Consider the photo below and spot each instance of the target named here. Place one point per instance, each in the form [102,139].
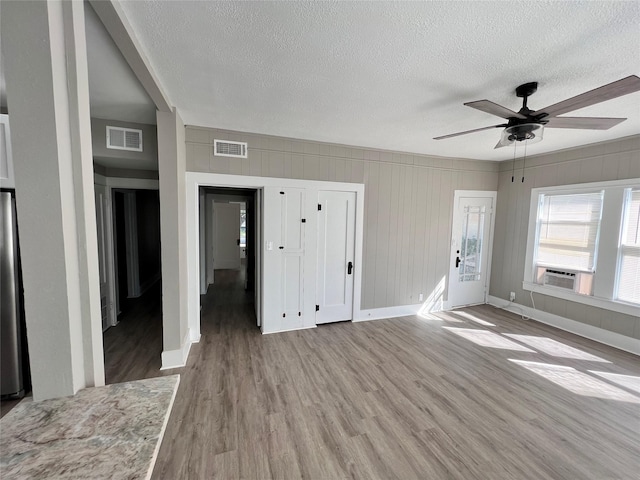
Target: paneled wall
[600,162]
[408,201]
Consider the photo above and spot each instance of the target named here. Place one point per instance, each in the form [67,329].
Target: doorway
[228,248]
[471,244]
[136,230]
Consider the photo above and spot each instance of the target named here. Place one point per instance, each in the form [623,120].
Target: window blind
[568,230]
[629,266]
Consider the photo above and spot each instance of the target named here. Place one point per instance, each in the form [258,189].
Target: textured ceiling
[389,75]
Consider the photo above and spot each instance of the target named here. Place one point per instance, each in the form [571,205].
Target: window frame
[621,245]
[607,249]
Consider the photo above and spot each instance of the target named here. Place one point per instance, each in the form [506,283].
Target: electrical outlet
[512,296]
[421,297]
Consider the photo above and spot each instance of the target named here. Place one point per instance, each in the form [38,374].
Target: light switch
[269,245]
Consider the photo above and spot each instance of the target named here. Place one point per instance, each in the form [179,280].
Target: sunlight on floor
[485,338]
[434,301]
[473,318]
[577,382]
[555,348]
[627,381]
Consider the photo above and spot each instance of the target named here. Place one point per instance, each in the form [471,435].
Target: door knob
[349,268]
[457,261]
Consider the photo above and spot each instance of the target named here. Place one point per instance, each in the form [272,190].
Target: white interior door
[292,246]
[101,224]
[471,241]
[336,250]
[227,236]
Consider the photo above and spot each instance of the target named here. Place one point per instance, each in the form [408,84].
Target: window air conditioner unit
[227,148]
[119,138]
[559,279]
[572,281]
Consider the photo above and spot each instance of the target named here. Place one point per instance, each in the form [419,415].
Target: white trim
[196,179]
[388,312]
[620,307]
[177,358]
[607,337]
[559,189]
[194,337]
[290,330]
[10,180]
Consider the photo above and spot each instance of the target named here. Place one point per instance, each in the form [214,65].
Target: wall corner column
[44,48]
[173,238]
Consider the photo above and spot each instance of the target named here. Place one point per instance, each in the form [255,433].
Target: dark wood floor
[401,398]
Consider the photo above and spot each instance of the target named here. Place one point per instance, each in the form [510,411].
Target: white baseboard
[177,358]
[193,336]
[613,339]
[387,312]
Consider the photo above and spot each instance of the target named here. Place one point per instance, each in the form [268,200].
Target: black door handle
[457,261]
[238,241]
[349,268]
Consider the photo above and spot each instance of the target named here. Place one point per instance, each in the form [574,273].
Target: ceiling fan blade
[468,131]
[499,145]
[494,109]
[587,123]
[601,94]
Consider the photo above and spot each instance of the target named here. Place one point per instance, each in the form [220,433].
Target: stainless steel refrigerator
[13,350]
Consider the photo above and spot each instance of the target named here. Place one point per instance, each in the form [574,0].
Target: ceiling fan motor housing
[531,132]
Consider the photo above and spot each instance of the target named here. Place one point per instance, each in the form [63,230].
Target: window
[584,244]
[628,277]
[568,230]
[243,228]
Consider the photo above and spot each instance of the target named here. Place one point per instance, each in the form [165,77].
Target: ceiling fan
[527,124]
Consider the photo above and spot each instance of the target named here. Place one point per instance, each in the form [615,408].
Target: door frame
[112,183]
[456,197]
[194,180]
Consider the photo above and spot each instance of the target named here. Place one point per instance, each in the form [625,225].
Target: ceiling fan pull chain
[513,164]
[524,159]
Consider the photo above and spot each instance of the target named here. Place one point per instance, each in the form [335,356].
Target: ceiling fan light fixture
[531,132]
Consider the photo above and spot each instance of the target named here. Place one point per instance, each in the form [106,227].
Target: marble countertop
[104,432]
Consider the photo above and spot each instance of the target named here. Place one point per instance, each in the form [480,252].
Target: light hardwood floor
[400,398]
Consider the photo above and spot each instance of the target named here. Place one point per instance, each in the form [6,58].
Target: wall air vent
[227,148]
[119,138]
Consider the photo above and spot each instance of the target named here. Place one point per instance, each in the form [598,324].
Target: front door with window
[472,237]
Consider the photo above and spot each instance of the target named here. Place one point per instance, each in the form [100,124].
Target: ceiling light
[531,132]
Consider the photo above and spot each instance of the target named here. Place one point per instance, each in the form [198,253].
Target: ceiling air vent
[227,148]
[120,138]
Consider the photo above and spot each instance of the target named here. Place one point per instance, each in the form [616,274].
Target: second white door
[227,236]
[336,251]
